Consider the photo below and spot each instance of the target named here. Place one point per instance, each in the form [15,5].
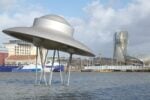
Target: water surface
[83,86]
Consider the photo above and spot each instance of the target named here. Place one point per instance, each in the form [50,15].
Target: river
[83,86]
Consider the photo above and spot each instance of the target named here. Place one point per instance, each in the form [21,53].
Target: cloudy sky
[95,21]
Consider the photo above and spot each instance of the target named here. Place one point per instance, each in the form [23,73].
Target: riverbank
[112,69]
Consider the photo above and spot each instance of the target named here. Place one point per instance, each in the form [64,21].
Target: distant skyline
[95,21]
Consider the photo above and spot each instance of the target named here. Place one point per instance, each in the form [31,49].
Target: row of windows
[22,50]
[22,46]
[18,53]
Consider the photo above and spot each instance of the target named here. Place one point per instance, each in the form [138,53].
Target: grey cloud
[6,5]
[23,17]
[97,29]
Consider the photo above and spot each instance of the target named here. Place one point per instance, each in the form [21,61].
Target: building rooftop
[20,42]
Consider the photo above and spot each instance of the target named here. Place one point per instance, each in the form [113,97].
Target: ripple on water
[83,86]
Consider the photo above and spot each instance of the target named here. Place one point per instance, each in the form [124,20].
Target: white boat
[32,68]
[27,68]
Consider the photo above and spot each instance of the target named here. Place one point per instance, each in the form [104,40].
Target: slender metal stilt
[45,66]
[45,57]
[68,70]
[51,72]
[41,65]
[60,67]
[43,76]
[36,65]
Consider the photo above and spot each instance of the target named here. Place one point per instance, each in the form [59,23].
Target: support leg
[68,69]
[36,65]
[51,72]
[60,67]
[44,67]
[43,64]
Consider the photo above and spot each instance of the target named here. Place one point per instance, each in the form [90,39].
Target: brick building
[3,55]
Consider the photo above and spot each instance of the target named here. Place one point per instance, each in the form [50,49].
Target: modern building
[120,56]
[19,47]
[20,52]
[145,59]
[120,46]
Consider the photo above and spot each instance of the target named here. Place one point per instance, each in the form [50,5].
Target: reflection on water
[83,86]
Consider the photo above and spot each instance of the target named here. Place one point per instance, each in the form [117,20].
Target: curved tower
[120,46]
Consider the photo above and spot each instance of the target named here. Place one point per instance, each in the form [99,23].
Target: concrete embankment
[113,68]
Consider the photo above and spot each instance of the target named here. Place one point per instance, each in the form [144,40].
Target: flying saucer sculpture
[51,32]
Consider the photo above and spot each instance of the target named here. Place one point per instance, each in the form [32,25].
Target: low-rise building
[20,52]
[3,55]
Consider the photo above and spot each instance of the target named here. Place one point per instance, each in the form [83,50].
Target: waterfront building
[145,59]
[3,55]
[20,52]
[120,46]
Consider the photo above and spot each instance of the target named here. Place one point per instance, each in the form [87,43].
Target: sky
[94,21]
